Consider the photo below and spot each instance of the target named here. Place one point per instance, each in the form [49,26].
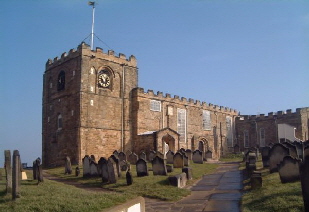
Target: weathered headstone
[116,153]
[104,169]
[169,168]
[16,175]
[300,149]
[289,169]
[86,166]
[304,176]
[124,166]
[178,160]
[265,156]
[129,178]
[92,158]
[197,156]
[40,174]
[133,158]
[100,162]
[142,155]
[116,160]
[68,166]
[179,180]
[122,156]
[208,155]
[186,161]
[188,172]
[93,169]
[158,166]
[189,153]
[112,172]
[141,168]
[170,157]
[8,170]
[276,155]
[292,149]
[256,180]
[151,155]
[160,154]
[77,171]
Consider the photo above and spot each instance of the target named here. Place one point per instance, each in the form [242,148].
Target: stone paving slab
[222,206]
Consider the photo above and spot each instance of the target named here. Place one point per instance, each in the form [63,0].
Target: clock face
[104,80]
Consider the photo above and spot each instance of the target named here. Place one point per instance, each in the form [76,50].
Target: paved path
[220,191]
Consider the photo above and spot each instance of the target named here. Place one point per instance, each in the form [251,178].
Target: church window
[246,138]
[61,81]
[59,122]
[262,137]
[206,120]
[229,131]
[155,105]
[181,124]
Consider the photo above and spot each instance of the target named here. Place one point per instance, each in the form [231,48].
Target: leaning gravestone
[68,166]
[152,155]
[8,171]
[122,156]
[141,168]
[276,155]
[86,166]
[170,157]
[178,160]
[133,158]
[16,175]
[304,176]
[197,156]
[289,169]
[158,166]
[112,172]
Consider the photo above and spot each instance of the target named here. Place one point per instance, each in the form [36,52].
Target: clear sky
[249,55]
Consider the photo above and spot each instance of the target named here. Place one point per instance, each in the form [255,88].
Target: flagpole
[92,28]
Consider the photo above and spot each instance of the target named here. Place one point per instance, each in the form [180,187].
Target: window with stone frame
[155,105]
[61,81]
[229,131]
[181,123]
[206,120]
[59,122]
[246,139]
[262,137]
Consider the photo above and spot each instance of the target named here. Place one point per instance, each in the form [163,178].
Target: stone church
[92,105]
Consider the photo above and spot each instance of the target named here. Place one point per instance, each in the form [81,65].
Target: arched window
[59,122]
[61,81]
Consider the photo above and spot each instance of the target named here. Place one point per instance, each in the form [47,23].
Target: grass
[232,158]
[55,196]
[273,196]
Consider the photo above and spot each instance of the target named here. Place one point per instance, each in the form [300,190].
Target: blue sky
[251,56]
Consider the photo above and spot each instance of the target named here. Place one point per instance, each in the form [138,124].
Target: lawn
[56,196]
[273,196]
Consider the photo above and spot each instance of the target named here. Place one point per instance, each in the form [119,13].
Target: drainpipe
[122,108]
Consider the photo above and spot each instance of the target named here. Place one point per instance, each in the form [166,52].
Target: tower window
[61,81]
[246,138]
[155,105]
[59,122]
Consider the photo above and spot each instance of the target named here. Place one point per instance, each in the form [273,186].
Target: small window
[155,105]
[246,138]
[59,122]
[206,120]
[61,81]
[262,137]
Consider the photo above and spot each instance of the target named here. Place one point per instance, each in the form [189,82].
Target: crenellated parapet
[272,115]
[84,50]
[150,94]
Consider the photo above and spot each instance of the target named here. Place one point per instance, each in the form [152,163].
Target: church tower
[86,104]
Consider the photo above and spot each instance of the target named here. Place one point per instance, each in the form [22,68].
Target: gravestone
[186,161]
[40,174]
[116,160]
[197,156]
[276,155]
[35,168]
[122,156]
[133,158]
[169,168]
[67,166]
[100,163]
[188,172]
[86,166]
[16,177]
[178,160]
[189,153]
[128,152]
[292,149]
[158,166]
[93,169]
[265,156]
[251,163]
[104,169]
[112,172]
[170,157]
[208,155]
[92,158]
[142,155]
[77,171]
[152,155]
[8,171]
[141,168]
[116,153]
[179,180]
[304,176]
[256,180]
[299,149]
[129,178]
[160,154]
[289,169]
[124,166]
[182,151]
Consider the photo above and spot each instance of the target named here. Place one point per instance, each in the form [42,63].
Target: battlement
[272,115]
[182,100]
[85,50]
